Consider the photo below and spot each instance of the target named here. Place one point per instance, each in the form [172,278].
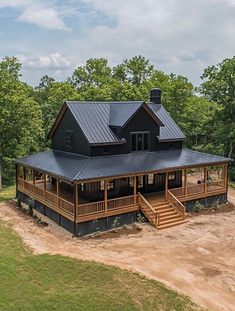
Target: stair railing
[142,201]
[175,203]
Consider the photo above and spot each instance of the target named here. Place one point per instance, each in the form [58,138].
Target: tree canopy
[206,115]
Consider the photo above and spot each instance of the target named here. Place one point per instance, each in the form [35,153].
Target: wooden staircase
[163,214]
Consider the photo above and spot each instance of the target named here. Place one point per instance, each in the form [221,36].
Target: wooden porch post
[226,176]
[24,173]
[45,181]
[76,201]
[185,182]
[57,190]
[134,184]
[205,179]
[33,181]
[105,196]
[166,184]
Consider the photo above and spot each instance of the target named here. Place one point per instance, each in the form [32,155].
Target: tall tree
[20,118]
[219,85]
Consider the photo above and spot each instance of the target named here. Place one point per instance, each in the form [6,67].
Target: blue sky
[53,37]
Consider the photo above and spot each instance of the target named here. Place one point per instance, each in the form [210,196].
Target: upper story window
[139,141]
[69,138]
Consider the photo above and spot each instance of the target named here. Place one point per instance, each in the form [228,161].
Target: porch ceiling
[78,168]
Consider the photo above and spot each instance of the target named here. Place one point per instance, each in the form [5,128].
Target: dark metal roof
[96,119]
[75,167]
[170,131]
[120,113]
[58,163]
[93,119]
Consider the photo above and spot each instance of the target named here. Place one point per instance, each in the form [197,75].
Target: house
[111,160]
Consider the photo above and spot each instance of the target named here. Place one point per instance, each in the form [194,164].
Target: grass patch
[231,184]
[8,193]
[44,282]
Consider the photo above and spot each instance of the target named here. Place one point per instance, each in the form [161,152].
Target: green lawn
[44,282]
[8,193]
[231,184]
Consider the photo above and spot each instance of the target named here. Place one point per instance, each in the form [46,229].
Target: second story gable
[103,128]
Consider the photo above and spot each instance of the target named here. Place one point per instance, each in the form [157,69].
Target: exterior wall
[106,223]
[46,211]
[206,202]
[80,143]
[80,229]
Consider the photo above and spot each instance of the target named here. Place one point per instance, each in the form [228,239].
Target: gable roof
[97,120]
[121,113]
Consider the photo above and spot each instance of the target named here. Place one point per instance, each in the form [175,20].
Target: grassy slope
[8,193]
[44,282]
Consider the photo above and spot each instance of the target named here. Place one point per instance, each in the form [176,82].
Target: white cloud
[41,13]
[44,17]
[54,61]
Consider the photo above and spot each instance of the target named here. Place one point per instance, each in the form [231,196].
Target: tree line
[205,114]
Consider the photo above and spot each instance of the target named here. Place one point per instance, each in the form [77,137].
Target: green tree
[21,129]
[219,85]
[198,123]
[51,95]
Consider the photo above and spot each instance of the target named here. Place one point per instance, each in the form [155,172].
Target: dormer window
[69,138]
[139,141]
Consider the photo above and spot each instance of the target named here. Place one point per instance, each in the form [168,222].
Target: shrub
[141,218]
[198,207]
[18,203]
[30,209]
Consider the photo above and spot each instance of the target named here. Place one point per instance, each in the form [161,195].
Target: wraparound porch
[68,199]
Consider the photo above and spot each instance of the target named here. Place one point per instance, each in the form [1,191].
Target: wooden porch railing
[91,208]
[178,206]
[210,187]
[120,202]
[50,197]
[148,210]
[99,207]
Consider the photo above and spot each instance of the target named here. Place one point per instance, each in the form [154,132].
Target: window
[82,187]
[140,141]
[69,138]
[131,181]
[110,184]
[171,176]
[140,181]
[102,185]
[150,179]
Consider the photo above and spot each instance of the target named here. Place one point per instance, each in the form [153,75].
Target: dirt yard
[196,258]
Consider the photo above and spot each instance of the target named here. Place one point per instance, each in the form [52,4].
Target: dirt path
[197,259]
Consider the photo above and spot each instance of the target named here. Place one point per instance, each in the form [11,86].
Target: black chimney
[155,96]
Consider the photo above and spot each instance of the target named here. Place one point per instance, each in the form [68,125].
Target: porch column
[45,181]
[24,173]
[185,182]
[33,180]
[76,201]
[105,196]
[134,185]
[205,179]
[226,176]
[57,190]
[166,184]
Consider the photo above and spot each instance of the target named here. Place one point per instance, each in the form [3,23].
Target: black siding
[141,121]
[80,144]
